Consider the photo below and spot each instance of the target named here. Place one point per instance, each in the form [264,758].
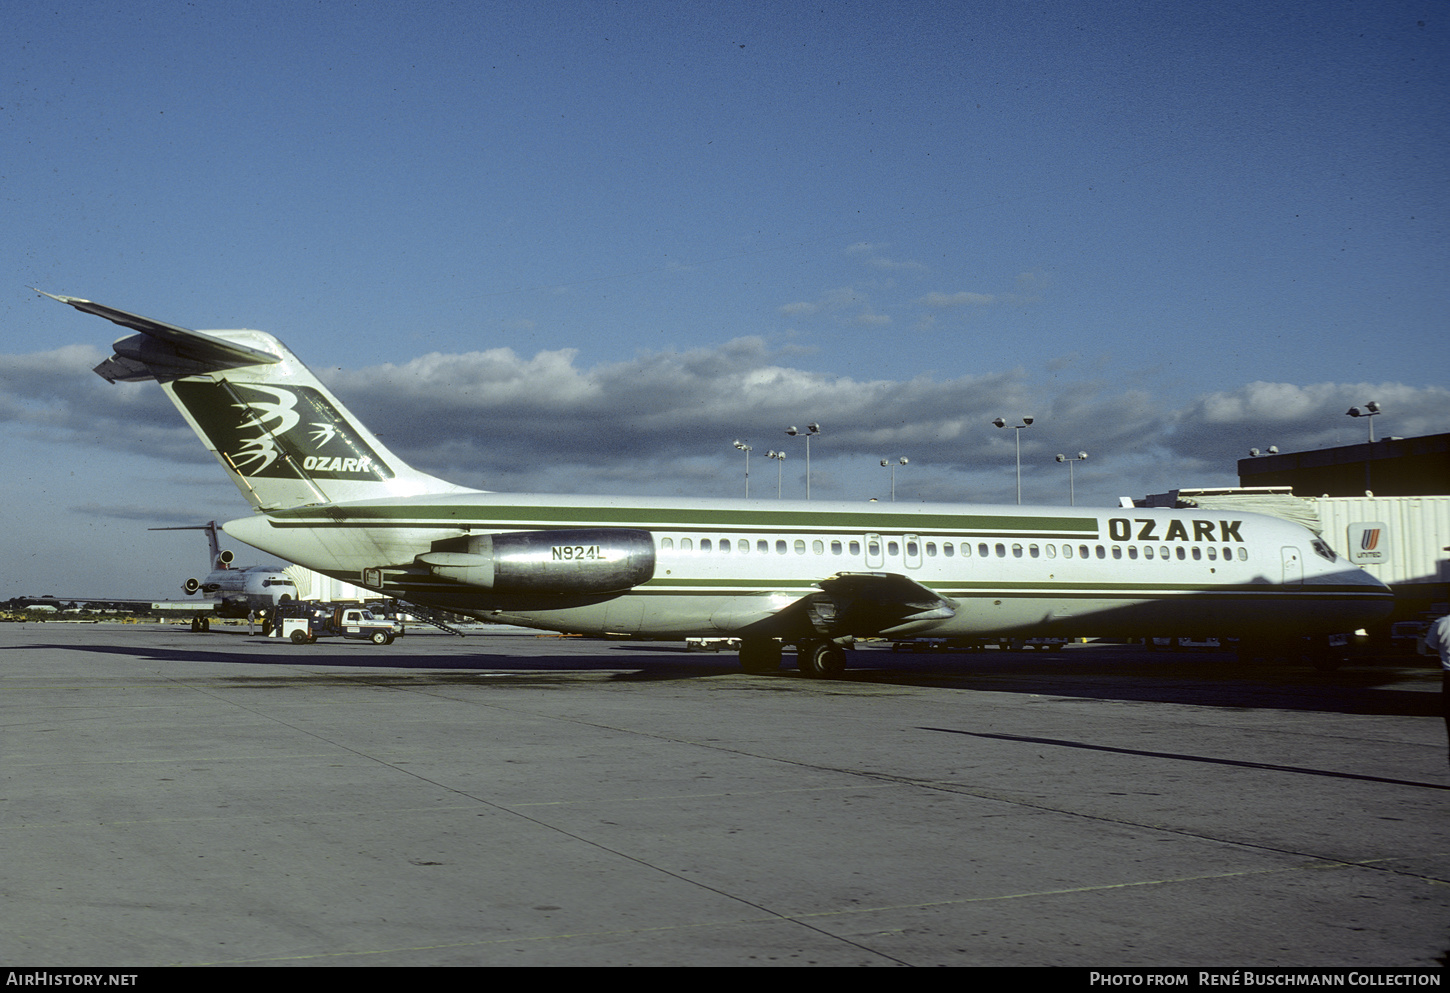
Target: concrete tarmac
[172,798]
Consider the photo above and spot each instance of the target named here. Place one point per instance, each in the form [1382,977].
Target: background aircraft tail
[281,435]
[218,559]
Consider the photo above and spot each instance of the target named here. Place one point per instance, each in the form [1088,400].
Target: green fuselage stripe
[484,516]
[949,586]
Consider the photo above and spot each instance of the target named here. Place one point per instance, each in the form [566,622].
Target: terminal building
[1392,467]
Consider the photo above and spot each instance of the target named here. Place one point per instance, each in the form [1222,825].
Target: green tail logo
[276,432]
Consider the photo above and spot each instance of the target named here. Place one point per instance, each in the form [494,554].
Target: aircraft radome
[329,495]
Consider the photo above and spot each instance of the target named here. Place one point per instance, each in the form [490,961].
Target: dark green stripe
[956,588]
[491,516]
[1277,594]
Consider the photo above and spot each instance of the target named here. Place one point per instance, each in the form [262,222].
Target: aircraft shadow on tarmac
[1183,757]
[1110,673]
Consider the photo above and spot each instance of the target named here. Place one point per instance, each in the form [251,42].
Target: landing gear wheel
[820,659]
[758,657]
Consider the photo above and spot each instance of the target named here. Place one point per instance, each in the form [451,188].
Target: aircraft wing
[877,602]
[863,604]
[50,600]
[163,350]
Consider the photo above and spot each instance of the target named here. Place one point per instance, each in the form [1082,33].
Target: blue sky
[583,246]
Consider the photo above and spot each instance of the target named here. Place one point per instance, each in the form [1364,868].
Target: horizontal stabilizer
[166,351]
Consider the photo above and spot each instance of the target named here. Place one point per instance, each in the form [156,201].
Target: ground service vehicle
[302,623]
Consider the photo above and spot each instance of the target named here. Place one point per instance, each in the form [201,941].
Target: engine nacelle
[191,585]
[583,560]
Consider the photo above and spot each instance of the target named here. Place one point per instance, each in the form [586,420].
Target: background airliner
[329,496]
[237,590]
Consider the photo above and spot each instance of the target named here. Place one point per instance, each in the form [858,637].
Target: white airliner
[237,590]
[815,575]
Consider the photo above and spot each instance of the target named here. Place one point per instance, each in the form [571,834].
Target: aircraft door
[875,552]
[1293,566]
[911,550]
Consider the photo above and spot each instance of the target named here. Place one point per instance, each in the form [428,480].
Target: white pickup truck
[304,623]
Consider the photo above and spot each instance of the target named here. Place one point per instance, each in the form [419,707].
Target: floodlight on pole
[747,450]
[1369,410]
[811,429]
[1070,459]
[887,463]
[779,468]
[1017,429]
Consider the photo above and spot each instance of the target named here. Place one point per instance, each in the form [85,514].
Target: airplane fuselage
[238,592]
[733,566]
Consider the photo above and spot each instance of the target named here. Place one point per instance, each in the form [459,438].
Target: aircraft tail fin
[217,558]
[282,436]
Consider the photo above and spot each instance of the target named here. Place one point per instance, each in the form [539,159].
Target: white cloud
[662,422]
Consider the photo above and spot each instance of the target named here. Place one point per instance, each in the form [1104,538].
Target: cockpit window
[1322,547]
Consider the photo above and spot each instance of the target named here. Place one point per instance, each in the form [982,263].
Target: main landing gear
[820,659]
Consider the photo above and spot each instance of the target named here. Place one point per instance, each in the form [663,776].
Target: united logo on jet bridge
[1369,543]
[277,432]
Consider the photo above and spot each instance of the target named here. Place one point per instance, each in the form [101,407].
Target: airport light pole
[887,463]
[779,468]
[747,450]
[1017,428]
[811,430]
[1369,410]
[1071,492]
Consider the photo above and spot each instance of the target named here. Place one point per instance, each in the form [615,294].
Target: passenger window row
[1197,552]
[762,546]
[966,549]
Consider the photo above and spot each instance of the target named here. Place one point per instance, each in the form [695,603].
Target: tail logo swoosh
[278,432]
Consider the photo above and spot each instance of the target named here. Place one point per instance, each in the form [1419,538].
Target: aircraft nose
[1366,598]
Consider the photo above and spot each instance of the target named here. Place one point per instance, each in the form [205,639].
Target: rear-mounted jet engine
[584,560]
